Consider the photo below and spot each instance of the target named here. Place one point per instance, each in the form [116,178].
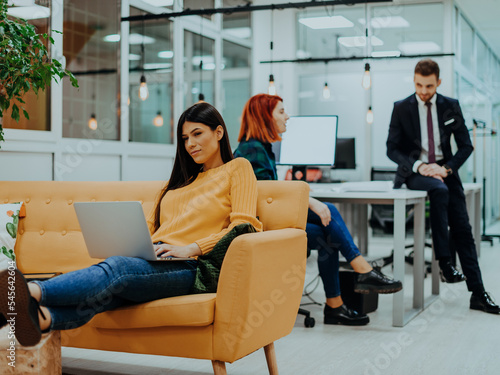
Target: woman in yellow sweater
[208,194]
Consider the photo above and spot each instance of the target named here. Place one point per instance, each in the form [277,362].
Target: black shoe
[344,315]
[3,321]
[376,281]
[450,275]
[484,303]
[24,307]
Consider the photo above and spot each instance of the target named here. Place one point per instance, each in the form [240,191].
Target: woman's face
[280,117]
[202,143]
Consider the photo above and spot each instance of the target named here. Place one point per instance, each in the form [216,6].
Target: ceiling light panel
[391,22]
[418,48]
[333,22]
[29,13]
[359,41]
[386,53]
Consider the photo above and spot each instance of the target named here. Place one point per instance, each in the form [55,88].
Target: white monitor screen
[309,140]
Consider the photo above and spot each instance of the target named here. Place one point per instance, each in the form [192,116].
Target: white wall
[25,166]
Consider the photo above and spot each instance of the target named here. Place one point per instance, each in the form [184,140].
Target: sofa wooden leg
[272,365]
[219,367]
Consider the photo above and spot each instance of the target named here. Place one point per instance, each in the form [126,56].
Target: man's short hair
[427,67]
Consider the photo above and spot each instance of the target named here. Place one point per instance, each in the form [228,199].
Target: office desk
[473,193]
[399,198]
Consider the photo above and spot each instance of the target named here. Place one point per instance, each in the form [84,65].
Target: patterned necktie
[430,134]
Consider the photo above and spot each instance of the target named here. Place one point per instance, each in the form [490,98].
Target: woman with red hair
[263,120]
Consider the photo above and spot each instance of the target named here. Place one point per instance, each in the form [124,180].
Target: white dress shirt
[422,114]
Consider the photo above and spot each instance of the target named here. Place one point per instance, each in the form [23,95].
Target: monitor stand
[299,172]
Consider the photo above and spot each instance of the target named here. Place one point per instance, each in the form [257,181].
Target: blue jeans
[329,241]
[74,298]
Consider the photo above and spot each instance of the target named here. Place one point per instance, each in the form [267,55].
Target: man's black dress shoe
[22,305]
[344,315]
[3,321]
[450,275]
[376,281]
[484,303]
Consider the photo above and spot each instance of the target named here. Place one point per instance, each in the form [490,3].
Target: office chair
[309,321]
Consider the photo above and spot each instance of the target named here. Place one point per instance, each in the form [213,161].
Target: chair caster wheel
[309,322]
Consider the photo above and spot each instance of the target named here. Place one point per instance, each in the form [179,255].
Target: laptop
[116,228]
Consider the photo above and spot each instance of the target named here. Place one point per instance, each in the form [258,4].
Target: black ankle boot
[376,282]
[344,315]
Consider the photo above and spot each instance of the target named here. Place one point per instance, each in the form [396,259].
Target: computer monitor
[345,153]
[308,140]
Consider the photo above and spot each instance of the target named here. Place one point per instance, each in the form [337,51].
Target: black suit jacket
[404,143]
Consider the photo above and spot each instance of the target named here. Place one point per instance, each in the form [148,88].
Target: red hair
[257,119]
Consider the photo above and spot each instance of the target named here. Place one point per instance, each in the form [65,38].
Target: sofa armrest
[259,291]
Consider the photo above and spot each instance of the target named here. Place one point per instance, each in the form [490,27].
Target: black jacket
[404,140]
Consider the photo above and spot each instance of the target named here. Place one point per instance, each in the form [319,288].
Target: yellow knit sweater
[209,207]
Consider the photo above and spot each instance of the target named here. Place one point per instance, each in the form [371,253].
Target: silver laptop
[116,228]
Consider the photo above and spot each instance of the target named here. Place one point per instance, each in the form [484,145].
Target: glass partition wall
[105,129]
[150,60]
[91,32]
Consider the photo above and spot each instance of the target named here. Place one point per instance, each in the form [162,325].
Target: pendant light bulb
[158,120]
[92,122]
[367,79]
[369,116]
[326,91]
[271,90]
[143,89]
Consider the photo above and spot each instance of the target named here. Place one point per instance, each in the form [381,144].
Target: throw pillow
[9,221]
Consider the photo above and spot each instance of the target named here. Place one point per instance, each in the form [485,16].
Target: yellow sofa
[259,289]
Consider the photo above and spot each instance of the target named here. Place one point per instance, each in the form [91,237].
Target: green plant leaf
[8,253]
[15,112]
[26,114]
[11,229]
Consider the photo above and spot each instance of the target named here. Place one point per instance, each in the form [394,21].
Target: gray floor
[447,338]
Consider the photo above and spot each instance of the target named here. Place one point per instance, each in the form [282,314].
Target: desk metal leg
[398,304]
[363,228]
[477,220]
[435,274]
[418,255]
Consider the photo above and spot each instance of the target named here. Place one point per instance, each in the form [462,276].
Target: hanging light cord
[142,48]
[271,43]
[366,28]
[200,95]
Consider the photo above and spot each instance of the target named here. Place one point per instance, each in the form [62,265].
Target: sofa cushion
[9,221]
[192,310]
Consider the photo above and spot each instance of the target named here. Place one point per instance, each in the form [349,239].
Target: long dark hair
[185,169]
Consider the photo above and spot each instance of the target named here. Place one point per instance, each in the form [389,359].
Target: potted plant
[24,64]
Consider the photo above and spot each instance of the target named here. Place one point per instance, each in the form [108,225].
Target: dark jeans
[74,298]
[329,241]
[448,210]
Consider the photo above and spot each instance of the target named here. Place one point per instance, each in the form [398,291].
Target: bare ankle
[44,318]
[35,291]
[360,265]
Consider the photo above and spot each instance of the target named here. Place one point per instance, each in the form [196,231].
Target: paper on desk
[369,186]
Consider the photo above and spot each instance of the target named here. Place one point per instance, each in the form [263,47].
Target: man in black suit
[419,143]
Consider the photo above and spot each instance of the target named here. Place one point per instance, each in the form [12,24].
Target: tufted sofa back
[49,237]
